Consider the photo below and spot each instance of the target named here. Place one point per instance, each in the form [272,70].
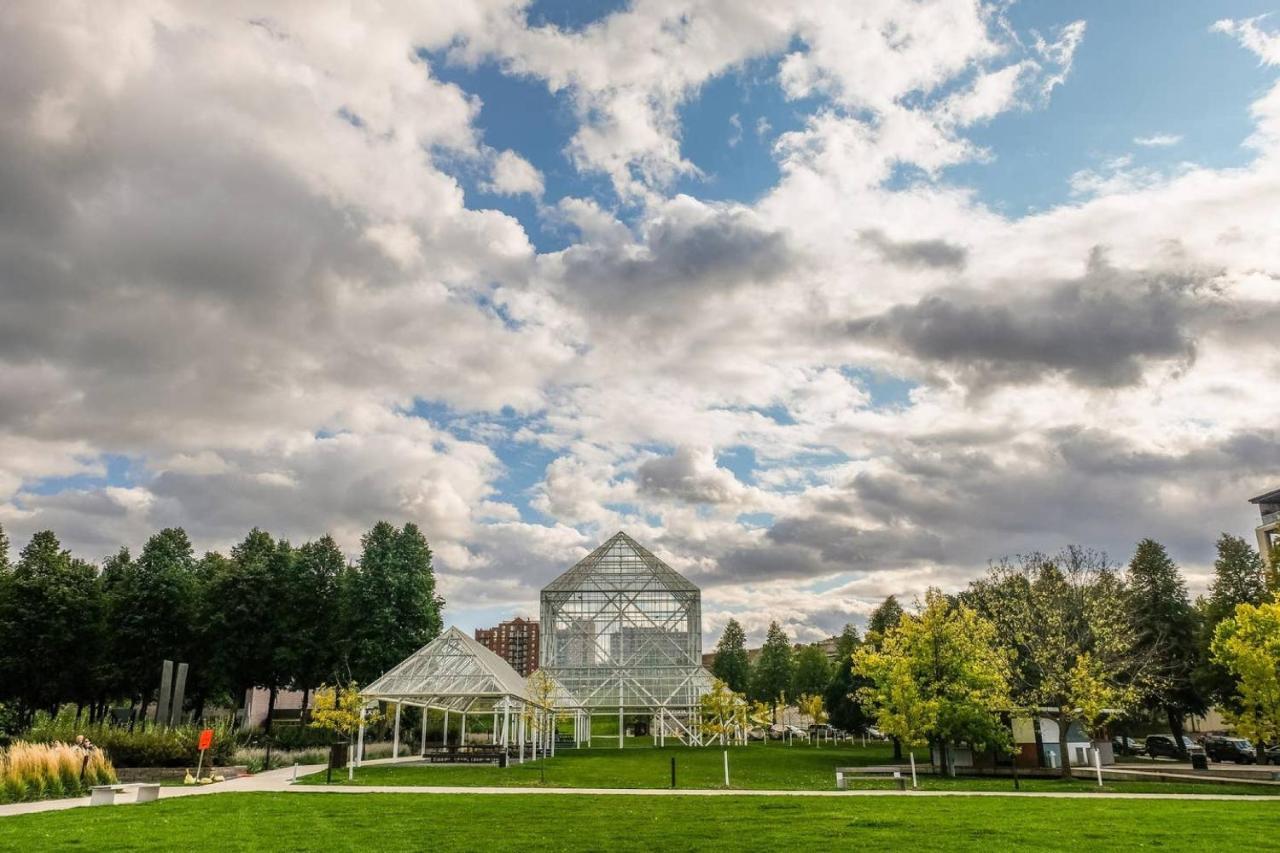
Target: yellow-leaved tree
[811,705]
[1248,645]
[337,709]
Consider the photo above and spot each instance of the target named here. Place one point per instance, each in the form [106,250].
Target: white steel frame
[622,631]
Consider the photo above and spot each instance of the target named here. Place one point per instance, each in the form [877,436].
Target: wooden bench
[105,795]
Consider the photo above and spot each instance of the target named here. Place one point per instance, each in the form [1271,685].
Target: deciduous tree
[1248,646]
[938,676]
[813,672]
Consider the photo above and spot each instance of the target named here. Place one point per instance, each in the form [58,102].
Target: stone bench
[105,795]
[843,774]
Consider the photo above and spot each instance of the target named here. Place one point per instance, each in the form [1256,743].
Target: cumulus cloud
[1158,140]
[234,253]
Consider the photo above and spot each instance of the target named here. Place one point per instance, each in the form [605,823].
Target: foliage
[847,643]
[811,705]
[1238,578]
[844,707]
[940,675]
[1248,645]
[883,618]
[812,671]
[38,771]
[49,609]
[1167,633]
[153,746]
[337,709]
[1074,641]
[772,675]
[390,601]
[731,664]
[724,712]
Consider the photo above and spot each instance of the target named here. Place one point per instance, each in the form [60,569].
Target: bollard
[673,771]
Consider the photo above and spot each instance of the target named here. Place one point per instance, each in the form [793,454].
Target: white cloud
[1247,30]
[1158,140]
[511,174]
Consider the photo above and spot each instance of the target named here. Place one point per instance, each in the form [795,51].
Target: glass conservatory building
[622,632]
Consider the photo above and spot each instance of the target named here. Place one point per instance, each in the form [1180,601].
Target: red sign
[206,739]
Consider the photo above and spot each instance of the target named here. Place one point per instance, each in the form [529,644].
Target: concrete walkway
[280,781]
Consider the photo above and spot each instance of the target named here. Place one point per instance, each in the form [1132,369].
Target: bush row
[150,747]
[42,771]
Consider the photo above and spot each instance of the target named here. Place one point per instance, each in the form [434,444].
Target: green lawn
[770,767]
[392,822]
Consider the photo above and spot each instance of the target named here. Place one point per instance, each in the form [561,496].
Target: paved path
[279,781]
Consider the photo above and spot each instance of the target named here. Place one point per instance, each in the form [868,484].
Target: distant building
[515,641]
[1269,530]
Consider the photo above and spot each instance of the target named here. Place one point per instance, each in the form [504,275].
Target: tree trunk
[1175,726]
[1063,725]
[271,707]
[897,749]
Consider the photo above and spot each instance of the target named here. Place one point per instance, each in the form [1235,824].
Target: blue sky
[795,293]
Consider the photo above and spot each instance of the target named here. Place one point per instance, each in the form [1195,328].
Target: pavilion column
[506,723]
[360,740]
[520,737]
[423,749]
[444,736]
[395,735]
[462,736]
[493,731]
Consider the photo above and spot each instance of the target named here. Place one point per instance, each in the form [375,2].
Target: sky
[819,301]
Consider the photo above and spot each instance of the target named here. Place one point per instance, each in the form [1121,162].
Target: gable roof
[452,665]
[620,563]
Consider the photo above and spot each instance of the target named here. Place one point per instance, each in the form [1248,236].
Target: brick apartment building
[515,641]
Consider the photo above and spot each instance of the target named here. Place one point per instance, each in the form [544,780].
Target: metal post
[1097,764]
[913,769]
[395,734]
[360,741]
[673,771]
[726,768]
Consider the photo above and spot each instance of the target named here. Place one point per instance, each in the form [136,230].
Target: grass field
[759,767]
[527,822]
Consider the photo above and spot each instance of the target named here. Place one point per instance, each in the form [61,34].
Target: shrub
[150,747]
[34,771]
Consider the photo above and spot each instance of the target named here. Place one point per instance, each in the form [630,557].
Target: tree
[339,709]
[812,672]
[723,712]
[314,608]
[392,607]
[153,605]
[772,675]
[1067,621]
[1238,578]
[811,705]
[1248,646]
[847,643]
[939,676]
[844,708]
[48,627]
[245,618]
[883,618]
[1167,633]
[731,664]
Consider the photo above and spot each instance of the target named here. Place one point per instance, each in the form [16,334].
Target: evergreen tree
[4,550]
[883,618]
[844,706]
[812,672]
[731,664]
[847,643]
[153,604]
[1238,578]
[772,675]
[1167,633]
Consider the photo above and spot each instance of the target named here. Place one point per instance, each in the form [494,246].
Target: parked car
[796,731]
[1128,746]
[1272,754]
[1222,748]
[1164,745]
[872,731]
[822,731]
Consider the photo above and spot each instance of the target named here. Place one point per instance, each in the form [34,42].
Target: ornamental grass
[42,771]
